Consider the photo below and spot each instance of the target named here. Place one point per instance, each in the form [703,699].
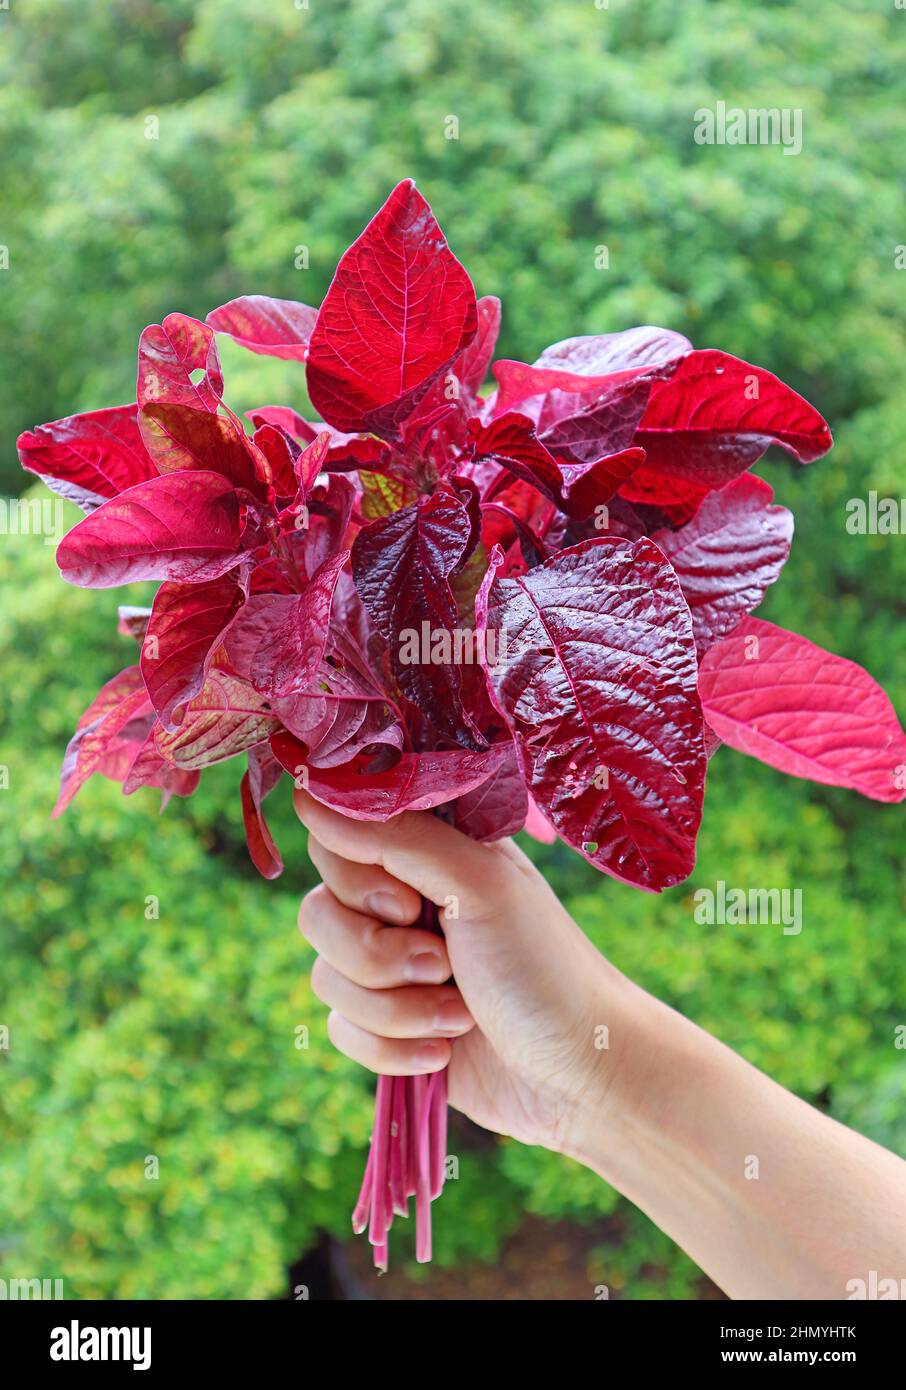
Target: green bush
[174,1036]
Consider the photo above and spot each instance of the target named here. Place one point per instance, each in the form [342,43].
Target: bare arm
[771,1198]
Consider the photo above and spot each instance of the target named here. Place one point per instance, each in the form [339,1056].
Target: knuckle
[406,830]
[320,980]
[375,953]
[311,909]
[335,1031]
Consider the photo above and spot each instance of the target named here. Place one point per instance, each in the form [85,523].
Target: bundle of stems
[407,1156]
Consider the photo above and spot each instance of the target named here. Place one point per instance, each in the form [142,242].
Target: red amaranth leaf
[417,782]
[187,623]
[330,527]
[178,437]
[270,327]
[264,772]
[281,452]
[600,354]
[402,565]
[132,621]
[496,808]
[473,364]
[225,718]
[285,419]
[717,415]
[605,424]
[596,678]
[676,499]
[778,697]
[570,375]
[457,388]
[169,354]
[345,714]
[728,555]
[150,768]
[88,458]
[278,640]
[576,488]
[399,310]
[179,526]
[311,461]
[121,700]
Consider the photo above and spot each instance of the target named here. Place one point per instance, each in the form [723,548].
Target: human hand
[518,1026]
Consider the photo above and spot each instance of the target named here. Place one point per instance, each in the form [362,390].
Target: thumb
[416,847]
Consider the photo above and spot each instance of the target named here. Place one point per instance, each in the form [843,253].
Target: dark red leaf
[226,717]
[87,458]
[264,772]
[501,526]
[150,769]
[498,807]
[349,711]
[399,310]
[576,488]
[329,524]
[284,419]
[473,365]
[121,700]
[568,375]
[717,415]
[605,425]
[729,555]
[600,354]
[278,640]
[456,389]
[310,462]
[402,565]
[417,782]
[596,678]
[187,622]
[181,526]
[778,697]
[169,354]
[676,499]
[281,452]
[271,327]
[132,621]
[178,437]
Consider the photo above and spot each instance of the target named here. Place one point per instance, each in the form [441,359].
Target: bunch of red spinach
[526,606]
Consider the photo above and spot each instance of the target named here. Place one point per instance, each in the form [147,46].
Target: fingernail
[452,1017]
[427,968]
[385,905]
[429,1054]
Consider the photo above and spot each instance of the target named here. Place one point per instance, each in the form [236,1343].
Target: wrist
[613,1039]
[641,1047]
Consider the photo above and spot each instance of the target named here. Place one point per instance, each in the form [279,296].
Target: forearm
[771,1198]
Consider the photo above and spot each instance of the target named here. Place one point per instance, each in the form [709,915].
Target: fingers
[366,951]
[415,848]
[387,1056]
[418,1011]
[365,887]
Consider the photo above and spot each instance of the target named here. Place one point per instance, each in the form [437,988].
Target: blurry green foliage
[281,128]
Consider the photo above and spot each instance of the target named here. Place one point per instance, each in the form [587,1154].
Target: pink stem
[438,1131]
[422,1186]
[363,1205]
[381,1217]
[397,1110]
[412,1135]
[407,1154]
